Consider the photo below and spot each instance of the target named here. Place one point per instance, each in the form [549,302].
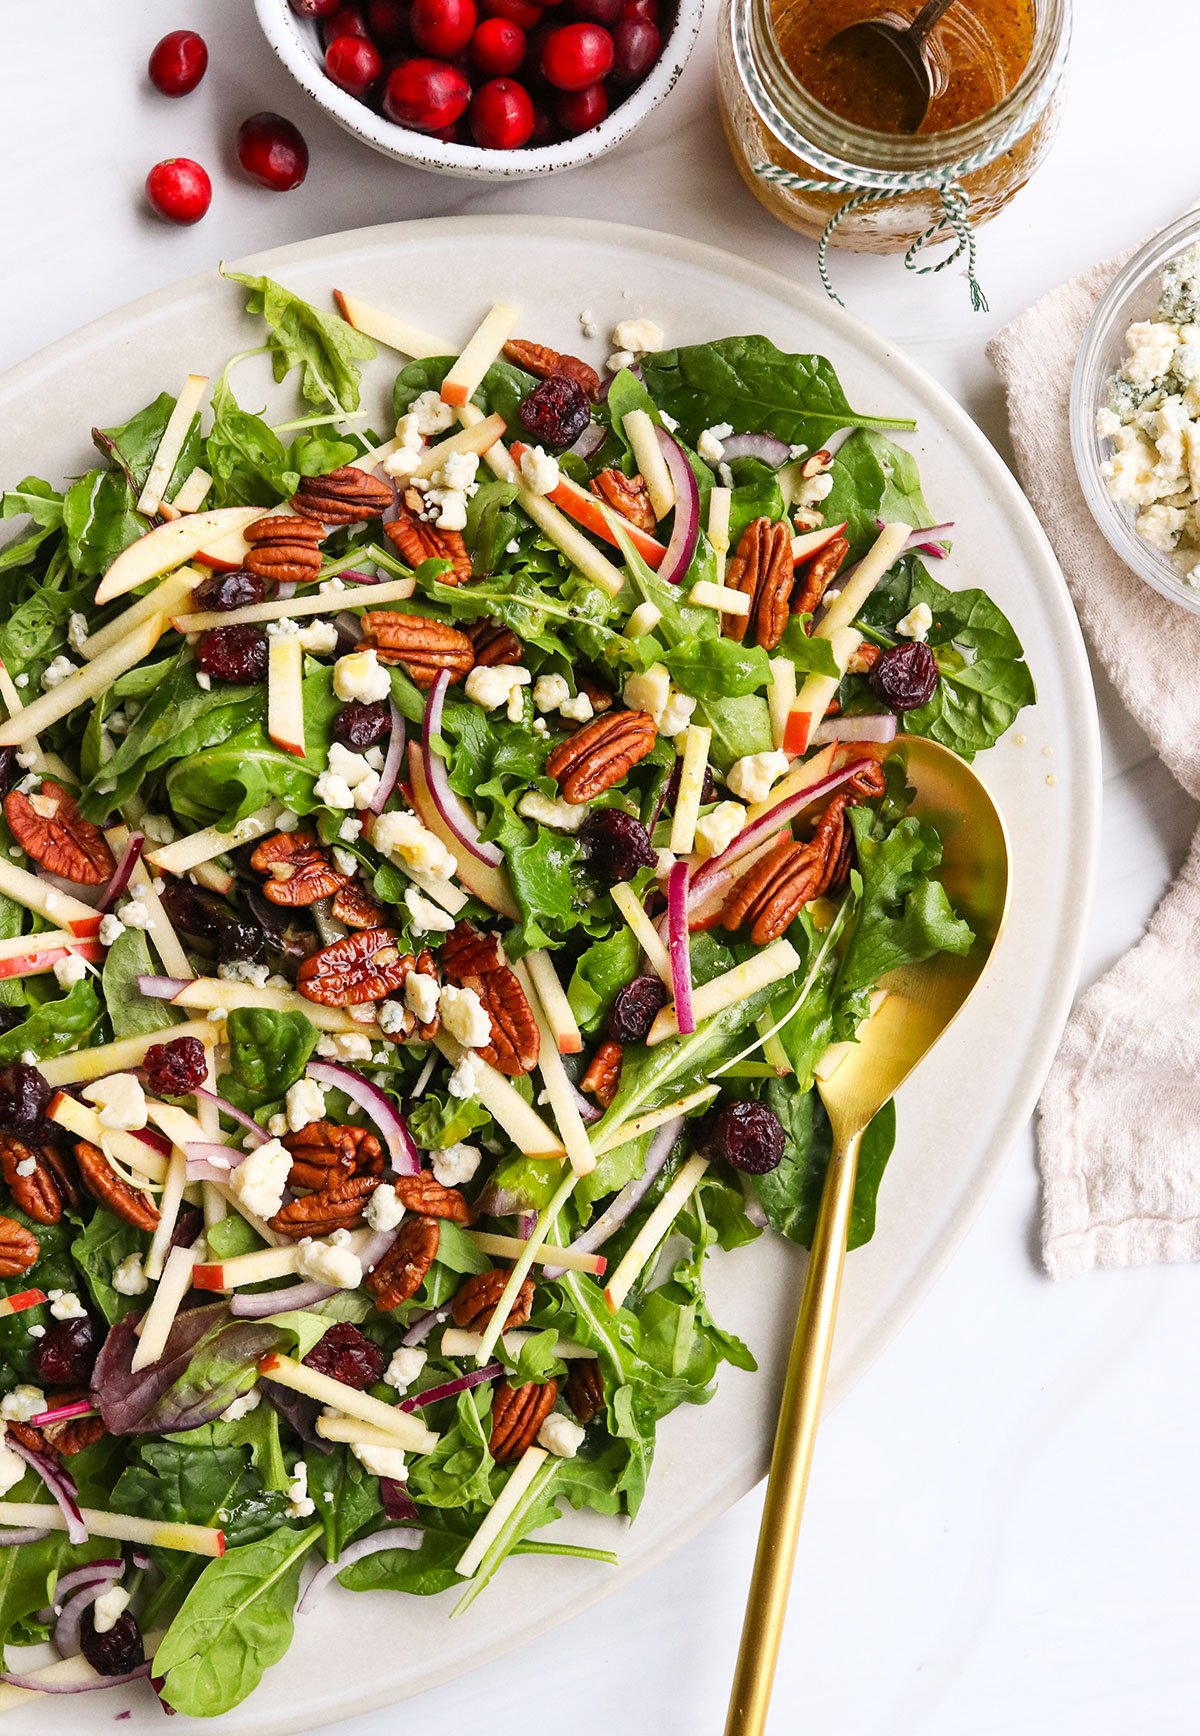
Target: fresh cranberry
[615,845]
[557,411]
[605,12]
[577,110]
[354,63]
[442,28]
[115,1652]
[648,9]
[748,1135]
[576,55]
[178,62]
[426,95]
[179,190]
[314,8]
[346,21]
[66,1352]
[545,127]
[388,19]
[175,1068]
[233,653]
[633,1011]
[347,1355]
[272,151]
[234,590]
[501,115]
[361,725]
[24,1098]
[522,12]
[905,676]
[498,47]
[636,47]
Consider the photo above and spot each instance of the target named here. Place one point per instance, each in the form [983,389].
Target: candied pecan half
[543,363]
[600,754]
[818,575]
[474,961]
[600,696]
[284,548]
[356,908]
[762,570]
[342,496]
[339,1206]
[72,1436]
[424,1193]
[862,661]
[628,495]
[493,644]
[421,646]
[468,952]
[19,1248]
[363,966]
[298,869]
[585,1388]
[105,1185]
[49,827]
[604,1073]
[518,1412]
[419,540]
[401,1272]
[30,1180]
[64,1179]
[475,1300]
[323,1150]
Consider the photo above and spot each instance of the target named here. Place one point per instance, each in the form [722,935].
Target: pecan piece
[49,827]
[468,952]
[342,496]
[762,570]
[401,1272]
[339,1206]
[600,696]
[363,966]
[425,1194]
[475,961]
[475,1300]
[585,1388]
[493,644]
[819,574]
[518,1412]
[19,1248]
[628,495]
[419,540]
[600,754]
[284,548]
[30,1181]
[421,646]
[72,1436]
[604,1073]
[323,1150]
[543,363]
[862,661]
[356,908]
[105,1185]
[299,870]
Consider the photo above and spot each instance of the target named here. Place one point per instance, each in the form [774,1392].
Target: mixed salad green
[394,1018]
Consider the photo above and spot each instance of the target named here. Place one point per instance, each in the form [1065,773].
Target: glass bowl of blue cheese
[1135,413]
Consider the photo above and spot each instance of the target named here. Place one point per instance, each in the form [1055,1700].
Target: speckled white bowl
[296,42]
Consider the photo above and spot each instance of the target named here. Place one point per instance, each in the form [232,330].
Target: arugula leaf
[323,346]
[245,457]
[268,1051]
[755,387]
[437,1122]
[903,915]
[600,972]
[457,1473]
[717,668]
[791,1193]
[131,1013]
[36,499]
[51,1271]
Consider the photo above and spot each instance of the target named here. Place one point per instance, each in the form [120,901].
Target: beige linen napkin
[1119,1120]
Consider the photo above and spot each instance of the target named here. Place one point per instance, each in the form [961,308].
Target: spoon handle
[931,14]
[795,1438]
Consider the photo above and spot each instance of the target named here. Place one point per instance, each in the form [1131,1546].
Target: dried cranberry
[905,676]
[175,1068]
[229,591]
[203,916]
[748,1135]
[556,412]
[10,772]
[116,1652]
[361,725]
[707,794]
[615,845]
[66,1352]
[632,1013]
[347,1355]
[24,1096]
[233,654]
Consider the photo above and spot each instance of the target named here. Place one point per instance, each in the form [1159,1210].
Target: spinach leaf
[436,1122]
[325,348]
[600,972]
[502,388]
[55,1027]
[874,479]
[98,1250]
[132,447]
[424,1571]
[903,915]
[131,1013]
[178,1484]
[35,631]
[268,1051]
[346,1496]
[245,457]
[51,1271]
[717,668]
[224,783]
[791,1193]
[100,521]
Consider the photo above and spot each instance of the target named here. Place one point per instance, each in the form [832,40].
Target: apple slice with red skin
[489,884]
[169,545]
[586,510]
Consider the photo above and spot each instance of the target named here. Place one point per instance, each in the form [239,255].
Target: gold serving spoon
[910,50]
[922,1002]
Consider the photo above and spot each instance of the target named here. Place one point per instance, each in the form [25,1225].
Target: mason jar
[880,192]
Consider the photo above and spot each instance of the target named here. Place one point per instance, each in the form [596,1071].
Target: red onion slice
[263,1304]
[685,529]
[112,1567]
[28,1534]
[40,1685]
[879,727]
[627,1201]
[423,1325]
[258,1134]
[766,447]
[590,441]
[387,1118]
[161,988]
[130,856]
[393,760]
[464,1382]
[396,1537]
[71,1608]
[677,946]
[927,541]
[59,1482]
[449,804]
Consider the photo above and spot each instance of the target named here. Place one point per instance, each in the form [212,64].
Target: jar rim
[846,152]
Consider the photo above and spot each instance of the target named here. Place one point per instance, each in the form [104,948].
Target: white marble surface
[1000,1535]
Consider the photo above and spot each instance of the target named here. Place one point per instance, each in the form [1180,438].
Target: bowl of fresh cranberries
[489,89]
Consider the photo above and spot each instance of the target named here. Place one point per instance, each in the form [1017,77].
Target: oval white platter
[957,1120]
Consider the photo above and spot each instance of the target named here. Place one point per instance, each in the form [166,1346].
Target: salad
[438,867]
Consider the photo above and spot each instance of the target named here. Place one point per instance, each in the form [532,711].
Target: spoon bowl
[924,74]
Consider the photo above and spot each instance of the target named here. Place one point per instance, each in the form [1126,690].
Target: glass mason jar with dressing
[816,132]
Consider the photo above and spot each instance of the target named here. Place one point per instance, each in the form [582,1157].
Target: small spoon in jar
[909,43]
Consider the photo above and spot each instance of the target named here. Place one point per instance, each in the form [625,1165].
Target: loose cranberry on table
[577,110]
[576,55]
[272,151]
[179,190]
[178,62]
[354,63]
[442,27]
[498,47]
[426,95]
[636,46]
[501,117]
